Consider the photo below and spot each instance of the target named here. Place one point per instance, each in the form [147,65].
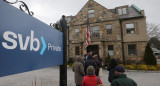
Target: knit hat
[90,70]
[119,69]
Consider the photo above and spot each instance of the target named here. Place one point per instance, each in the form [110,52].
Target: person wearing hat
[91,79]
[121,79]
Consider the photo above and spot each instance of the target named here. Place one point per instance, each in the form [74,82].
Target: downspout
[123,54]
[68,41]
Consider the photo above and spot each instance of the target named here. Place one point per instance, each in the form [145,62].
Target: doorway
[93,49]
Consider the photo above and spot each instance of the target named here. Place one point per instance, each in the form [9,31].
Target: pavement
[50,77]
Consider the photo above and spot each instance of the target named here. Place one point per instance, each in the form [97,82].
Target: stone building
[121,31]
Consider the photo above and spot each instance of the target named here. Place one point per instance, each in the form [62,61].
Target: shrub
[70,61]
[158,66]
[107,60]
[142,67]
[122,65]
[130,67]
[149,57]
[152,67]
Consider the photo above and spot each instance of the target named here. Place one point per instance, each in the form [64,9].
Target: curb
[147,71]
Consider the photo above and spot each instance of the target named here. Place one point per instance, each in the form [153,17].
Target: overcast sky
[50,11]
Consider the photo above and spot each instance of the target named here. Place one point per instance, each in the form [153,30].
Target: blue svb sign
[26,43]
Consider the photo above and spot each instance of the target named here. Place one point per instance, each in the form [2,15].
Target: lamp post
[62,26]
[63,68]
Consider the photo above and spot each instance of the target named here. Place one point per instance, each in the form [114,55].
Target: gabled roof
[105,14]
[101,13]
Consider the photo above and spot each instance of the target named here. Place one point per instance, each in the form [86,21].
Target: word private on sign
[29,39]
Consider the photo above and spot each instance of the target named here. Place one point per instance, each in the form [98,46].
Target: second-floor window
[90,13]
[109,29]
[95,31]
[77,50]
[76,32]
[110,50]
[130,28]
[132,49]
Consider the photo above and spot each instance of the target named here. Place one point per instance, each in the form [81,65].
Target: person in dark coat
[121,79]
[78,70]
[98,63]
[111,69]
[90,62]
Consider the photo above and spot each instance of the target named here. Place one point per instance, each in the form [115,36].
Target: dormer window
[122,11]
[90,13]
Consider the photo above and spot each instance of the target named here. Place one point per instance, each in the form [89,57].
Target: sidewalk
[50,77]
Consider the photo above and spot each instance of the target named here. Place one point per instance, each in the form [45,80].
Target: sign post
[63,68]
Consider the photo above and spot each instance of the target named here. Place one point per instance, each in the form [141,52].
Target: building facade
[120,32]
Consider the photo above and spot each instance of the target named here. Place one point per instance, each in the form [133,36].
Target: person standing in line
[90,62]
[100,68]
[121,79]
[98,64]
[111,69]
[78,70]
[91,79]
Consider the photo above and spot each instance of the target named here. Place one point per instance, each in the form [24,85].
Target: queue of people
[86,70]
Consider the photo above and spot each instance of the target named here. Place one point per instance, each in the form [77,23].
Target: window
[132,49]
[110,50]
[95,31]
[90,13]
[120,11]
[124,11]
[130,28]
[76,32]
[77,50]
[109,29]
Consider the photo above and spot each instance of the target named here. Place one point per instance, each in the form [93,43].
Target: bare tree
[153,30]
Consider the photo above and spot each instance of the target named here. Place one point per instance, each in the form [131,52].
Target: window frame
[91,13]
[76,32]
[109,30]
[95,31]
[77,50]
[132,51]
[131,29]
[124,11]
[111,50]
[121,11]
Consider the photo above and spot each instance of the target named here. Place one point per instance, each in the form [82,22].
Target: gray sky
[50,11]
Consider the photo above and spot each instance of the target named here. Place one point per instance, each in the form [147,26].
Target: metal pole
[63,68]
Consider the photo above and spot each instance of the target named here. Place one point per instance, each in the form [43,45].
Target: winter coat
[111,69]
[123,80]
[90,62]
[90,80]
[111,74]
[78,72]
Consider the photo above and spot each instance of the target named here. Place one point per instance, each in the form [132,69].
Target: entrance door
[93,49]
